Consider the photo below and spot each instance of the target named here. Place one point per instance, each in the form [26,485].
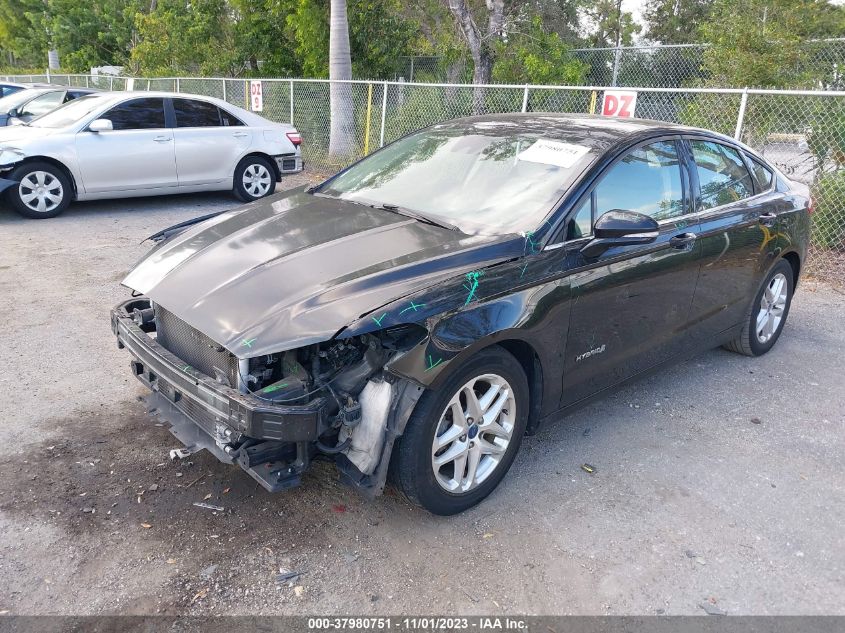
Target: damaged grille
[194,347]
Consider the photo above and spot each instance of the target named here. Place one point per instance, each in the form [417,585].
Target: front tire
[767,314]
[254,179]
[42,190]
[461,439]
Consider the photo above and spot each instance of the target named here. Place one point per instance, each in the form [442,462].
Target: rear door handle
[162,139]
[240,134]
[767,219]
[682,240]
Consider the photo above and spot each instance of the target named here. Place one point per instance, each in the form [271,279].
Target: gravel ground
[719,483]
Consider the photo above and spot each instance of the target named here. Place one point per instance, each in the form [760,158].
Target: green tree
[93,34]
[762,43]
[675,21]
[21,33]
[378,35]
[611,26]
[536,56]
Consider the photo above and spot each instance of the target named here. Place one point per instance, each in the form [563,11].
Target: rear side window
[763,175]
[722,176]
[193,113]
[138,114]
[647,180]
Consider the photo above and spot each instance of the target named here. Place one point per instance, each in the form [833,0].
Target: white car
[115,145]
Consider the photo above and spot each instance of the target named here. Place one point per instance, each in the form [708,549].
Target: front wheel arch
[58,165]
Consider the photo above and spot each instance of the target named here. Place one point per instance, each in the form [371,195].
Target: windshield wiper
[395,208]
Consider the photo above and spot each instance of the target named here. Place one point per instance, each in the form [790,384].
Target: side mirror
[100,125]
[620,228]
[13,113]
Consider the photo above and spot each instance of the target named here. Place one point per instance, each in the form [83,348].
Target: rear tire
[42,190]
[254,179]
[767,315]
[462,438]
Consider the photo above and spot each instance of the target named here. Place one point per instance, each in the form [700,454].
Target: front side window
[581,223]
[647,180]
[484,178]
[722,176]
[193,113]
[43,104]
[138,114]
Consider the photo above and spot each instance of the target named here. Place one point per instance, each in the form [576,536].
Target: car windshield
[68,113]
[17,99]
[480,178]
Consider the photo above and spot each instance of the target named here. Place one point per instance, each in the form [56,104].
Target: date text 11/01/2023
[420,623]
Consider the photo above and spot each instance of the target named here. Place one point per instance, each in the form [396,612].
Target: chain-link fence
[675,66]
[657,66]
[801,132]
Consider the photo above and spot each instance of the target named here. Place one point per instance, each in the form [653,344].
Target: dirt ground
[719,483]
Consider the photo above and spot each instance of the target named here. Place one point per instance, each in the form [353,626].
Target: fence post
[87,81]
[48,75]
[224,89]
[291,101]
[369,116]
[383,112]
[741,117]
[111,82]
[525,99]
[177,85]
[616,57]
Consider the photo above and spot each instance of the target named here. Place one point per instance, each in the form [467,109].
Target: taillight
[295,138]
[811,206]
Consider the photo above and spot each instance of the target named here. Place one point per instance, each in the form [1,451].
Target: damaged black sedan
[415,315]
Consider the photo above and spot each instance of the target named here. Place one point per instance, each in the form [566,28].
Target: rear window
[722,175]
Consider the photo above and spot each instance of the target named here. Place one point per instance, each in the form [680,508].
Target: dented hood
[289,271]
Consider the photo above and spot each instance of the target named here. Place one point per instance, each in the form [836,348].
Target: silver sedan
[116,145]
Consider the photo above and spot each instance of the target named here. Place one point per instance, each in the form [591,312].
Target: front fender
[5,183]
[459,335]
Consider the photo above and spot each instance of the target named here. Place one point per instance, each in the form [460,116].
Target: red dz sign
[621,103]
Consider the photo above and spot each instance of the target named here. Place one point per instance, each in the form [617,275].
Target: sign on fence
[256,96]
[619,103]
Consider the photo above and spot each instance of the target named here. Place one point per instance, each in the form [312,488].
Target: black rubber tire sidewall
[13,193]
[238,185]
[758,348]
[413,470]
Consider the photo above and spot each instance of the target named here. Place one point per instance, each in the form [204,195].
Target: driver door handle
[682,240]
[162,139]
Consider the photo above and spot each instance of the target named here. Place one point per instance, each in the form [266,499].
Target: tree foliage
[763,43]
[675,21]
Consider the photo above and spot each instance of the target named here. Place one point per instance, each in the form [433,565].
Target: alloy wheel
[473,434]
[772,306]
[256,180]
[41,191]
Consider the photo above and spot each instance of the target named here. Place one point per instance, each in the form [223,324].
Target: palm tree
[341,139]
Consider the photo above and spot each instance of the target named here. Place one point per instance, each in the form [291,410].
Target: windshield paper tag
[554,153]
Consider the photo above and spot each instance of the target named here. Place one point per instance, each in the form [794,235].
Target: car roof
[596,131]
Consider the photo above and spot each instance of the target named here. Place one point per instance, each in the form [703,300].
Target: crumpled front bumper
[225,415]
